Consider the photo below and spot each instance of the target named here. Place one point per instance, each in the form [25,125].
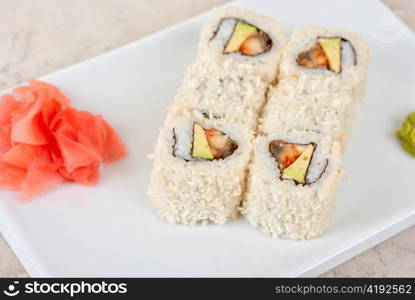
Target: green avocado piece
[332,49]
[407,134]
[201,147]
[298,169]
[241,32]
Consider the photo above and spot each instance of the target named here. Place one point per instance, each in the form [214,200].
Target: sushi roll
[322,79]
[199,168]
[326,111]
[321,58]
[203,150]
[237,61]
[291,185]
[297,156]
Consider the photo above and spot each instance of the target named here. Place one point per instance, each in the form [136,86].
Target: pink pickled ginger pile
[44,141]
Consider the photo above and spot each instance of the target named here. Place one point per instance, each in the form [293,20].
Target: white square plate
[111,229]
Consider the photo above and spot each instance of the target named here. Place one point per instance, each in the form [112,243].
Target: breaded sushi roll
[302,133]
[237,60]
[203,149]
[322,79]
[326,111]
[292,181]
[321,58]
[199,168]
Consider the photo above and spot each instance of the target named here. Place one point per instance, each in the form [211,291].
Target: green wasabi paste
[407,134]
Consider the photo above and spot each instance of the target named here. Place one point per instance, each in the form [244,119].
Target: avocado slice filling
[326,53]
[211,144]
[332,49]
[293,159]
[248,40]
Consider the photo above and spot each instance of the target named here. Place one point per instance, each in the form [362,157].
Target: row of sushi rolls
[258,126]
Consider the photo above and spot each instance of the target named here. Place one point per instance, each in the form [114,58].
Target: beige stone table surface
[41,36]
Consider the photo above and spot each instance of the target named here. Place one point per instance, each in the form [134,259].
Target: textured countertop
[59,33]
